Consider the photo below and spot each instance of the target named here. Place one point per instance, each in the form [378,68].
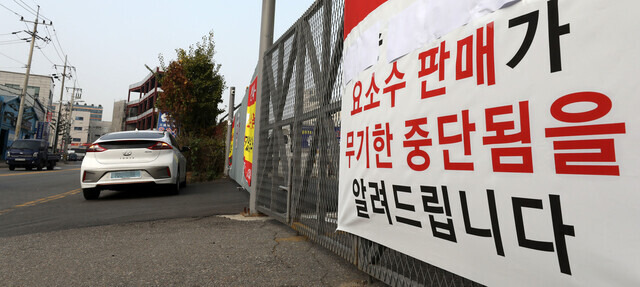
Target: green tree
[193,87]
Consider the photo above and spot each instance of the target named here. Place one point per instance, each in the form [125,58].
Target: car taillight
[95,148]
[160,145]
[84,176]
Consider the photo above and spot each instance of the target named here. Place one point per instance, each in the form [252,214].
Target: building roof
[30,74]
[9,94]
[7,98]
[140,83]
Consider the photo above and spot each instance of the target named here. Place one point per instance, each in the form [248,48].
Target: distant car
[120,159]
[75,156]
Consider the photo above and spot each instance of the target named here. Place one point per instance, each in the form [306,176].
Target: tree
[193,87]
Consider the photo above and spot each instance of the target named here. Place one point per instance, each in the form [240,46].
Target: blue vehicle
[29,154]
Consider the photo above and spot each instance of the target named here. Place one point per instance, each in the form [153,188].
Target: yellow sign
[250,130]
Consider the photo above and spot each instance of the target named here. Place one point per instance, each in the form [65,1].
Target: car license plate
[125,174]
[20,159]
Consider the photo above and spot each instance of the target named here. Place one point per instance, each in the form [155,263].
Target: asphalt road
[51,236]
[43,201]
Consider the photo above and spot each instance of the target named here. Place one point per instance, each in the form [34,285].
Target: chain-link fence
[300,143]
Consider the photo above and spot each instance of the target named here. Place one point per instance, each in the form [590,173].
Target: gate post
[266,40]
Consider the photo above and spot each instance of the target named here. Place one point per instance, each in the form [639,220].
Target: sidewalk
[202,251]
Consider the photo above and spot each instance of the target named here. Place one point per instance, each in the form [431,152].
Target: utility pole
[26,77]
[64,75]
[232,94]
[266,40]
[70,119]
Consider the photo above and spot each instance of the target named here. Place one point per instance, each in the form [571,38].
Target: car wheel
[91,193]
[184,183]
[12,167]
[174,189]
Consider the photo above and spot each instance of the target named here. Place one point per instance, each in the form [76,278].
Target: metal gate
[298,158]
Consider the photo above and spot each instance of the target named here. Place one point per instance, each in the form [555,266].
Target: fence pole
[232,93]
[266,40]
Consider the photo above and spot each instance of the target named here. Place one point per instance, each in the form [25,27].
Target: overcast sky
[109,42]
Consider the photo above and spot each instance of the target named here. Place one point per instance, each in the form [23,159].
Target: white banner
[506,150]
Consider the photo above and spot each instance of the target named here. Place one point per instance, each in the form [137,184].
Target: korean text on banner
[504,151]
[249,130]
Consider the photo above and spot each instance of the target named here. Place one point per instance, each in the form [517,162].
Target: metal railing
[300,145]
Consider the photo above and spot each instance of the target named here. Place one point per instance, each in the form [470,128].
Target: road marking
[6,211]
[41,200]
[38,172]
[292,239]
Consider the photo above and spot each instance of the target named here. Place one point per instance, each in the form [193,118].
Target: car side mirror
[185,149]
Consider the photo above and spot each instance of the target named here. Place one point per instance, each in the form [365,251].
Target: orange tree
[193,87]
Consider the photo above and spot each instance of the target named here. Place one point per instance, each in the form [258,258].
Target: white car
[122,159]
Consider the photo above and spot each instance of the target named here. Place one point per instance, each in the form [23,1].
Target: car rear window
[132,135]
[26,144]
[127,144]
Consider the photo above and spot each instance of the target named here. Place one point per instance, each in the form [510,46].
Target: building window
[79,118]
[33,91]
[76,140]
[77,128]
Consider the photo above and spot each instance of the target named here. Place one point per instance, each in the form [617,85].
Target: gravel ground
[208,251]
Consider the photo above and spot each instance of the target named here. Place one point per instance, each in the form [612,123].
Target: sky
[110,42]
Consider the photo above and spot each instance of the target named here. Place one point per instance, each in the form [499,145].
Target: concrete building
[141,112]
[82,127]
[98,129]
[79,128]
[96,111]
[39,87]
[118,117]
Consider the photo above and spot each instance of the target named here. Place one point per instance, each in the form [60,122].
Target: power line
[3,54]
[27,9]
[43,54]
[14,12]
[54,45]
[30,10]
[55,34]
[73,73]
[43,17]
[12,42]
[26,78]
[25,4]
[33,10]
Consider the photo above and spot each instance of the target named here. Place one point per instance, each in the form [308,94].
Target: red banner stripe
[356,10]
